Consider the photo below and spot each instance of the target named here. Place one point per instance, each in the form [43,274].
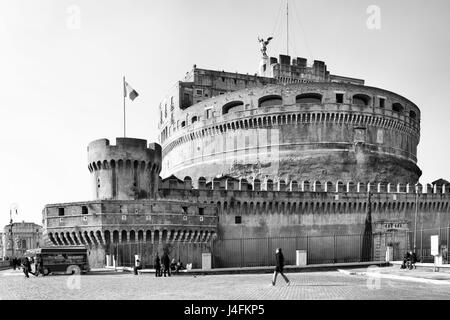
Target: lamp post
[12,207]
[415,218]
[11,232]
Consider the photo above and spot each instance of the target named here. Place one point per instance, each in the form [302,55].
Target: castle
[291,152]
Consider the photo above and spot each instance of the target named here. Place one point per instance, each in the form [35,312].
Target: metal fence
[254,252]
[124,253]
[423,243]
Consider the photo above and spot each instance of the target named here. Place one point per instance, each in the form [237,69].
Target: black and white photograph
[220,150]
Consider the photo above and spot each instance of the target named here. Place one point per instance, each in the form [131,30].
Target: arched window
[397,107]
[238,105]
[361,99]
[412,114]
[268,101]
[309,98]
[194,119]
[183,124]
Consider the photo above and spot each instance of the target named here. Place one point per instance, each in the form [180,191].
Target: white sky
[61,87]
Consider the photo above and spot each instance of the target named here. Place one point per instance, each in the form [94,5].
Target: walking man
[279,267]
[26,267]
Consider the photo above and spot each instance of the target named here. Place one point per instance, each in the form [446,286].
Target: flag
[128,90]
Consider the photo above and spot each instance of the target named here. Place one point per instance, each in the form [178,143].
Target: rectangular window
[221,93]
[382,102]
[208,113]
[84,210]
[199,92]
[185,210]
[339,98]
[201,211]
[238,219]
[60,212]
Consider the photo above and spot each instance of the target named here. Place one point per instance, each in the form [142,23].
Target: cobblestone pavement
[308,285]
[424,273]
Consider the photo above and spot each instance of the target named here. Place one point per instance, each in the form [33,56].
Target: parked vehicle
[65,259]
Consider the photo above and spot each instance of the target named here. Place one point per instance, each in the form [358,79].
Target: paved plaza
[306,285]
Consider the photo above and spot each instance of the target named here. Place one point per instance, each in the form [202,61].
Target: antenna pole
[124,99]
[287,26]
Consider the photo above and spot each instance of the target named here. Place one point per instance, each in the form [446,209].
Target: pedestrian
[279,267]
[157,266]
[179,266]
[406,259]
[38,266]
[173,265]
[414,259]
[137,266]
[166,263]
[14,263]
[26,267]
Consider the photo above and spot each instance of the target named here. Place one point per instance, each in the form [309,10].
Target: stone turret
[128,170]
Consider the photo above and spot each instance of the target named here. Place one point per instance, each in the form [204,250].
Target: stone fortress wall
[101,222]
[266,209]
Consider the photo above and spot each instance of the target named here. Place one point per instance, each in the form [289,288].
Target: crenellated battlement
[228,183]
[124,149]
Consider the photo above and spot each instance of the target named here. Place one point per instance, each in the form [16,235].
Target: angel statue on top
[264,44]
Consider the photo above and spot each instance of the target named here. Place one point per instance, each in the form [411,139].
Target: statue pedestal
[264,67]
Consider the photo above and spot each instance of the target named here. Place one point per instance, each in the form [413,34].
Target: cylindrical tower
[128,170]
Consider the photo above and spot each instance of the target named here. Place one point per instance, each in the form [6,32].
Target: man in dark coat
[26,267]
[157,266]
[279,267]
[166,263]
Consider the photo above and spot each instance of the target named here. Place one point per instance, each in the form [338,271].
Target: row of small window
[84,210]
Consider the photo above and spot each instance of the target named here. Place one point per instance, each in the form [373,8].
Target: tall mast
[287,26]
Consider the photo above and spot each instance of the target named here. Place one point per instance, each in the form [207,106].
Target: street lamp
[415,217]
[11,208]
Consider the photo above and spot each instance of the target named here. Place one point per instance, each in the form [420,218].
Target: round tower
[318,131]
[128,170]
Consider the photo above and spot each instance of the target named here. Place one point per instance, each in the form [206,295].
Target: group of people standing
[25,263]
[162,265]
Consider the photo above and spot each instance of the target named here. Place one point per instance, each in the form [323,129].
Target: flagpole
[124,96]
